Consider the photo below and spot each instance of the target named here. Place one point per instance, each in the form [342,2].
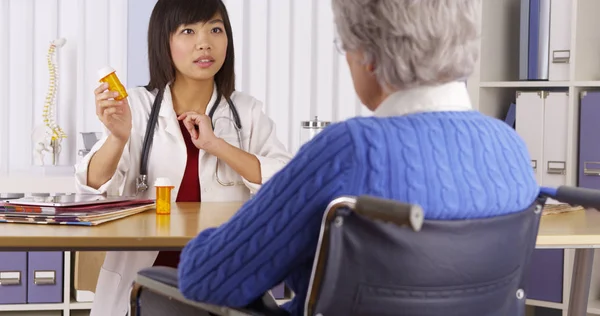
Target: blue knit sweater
[456,165]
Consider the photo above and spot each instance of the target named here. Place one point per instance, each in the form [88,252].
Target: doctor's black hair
[166,17]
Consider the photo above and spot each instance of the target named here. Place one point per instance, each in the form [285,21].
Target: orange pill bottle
[163,196]
[163,225]
[109,75]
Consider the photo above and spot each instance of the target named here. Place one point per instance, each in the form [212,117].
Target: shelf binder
[530,126]
[556,107]
[560,40]
[534,54]
[510,115]
[589,151]
[45,277]
[524,41]
[13,277]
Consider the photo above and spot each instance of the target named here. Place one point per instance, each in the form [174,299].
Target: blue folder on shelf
[511,115]
[534,40]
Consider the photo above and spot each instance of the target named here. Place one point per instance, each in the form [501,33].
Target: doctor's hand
[115,115]
[200,128]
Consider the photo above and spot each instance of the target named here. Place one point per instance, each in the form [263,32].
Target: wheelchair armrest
[588,198]
[164,280]
[392,211]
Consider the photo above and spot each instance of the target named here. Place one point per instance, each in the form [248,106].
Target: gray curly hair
[411,42]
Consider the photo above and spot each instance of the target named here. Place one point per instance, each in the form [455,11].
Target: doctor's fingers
[199,119]
[106,95]
[113,106]
[190,125]
[203,123]
[101,88]
[183,116]
[103,105]
[196,119]
[109,111]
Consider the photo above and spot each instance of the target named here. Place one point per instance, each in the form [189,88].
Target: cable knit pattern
[454,164]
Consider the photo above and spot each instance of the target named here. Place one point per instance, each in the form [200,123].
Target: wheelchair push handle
[588,198]
[395,212]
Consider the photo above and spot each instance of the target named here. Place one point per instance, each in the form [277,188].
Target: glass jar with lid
[310,129]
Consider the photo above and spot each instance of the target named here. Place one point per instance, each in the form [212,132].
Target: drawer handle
[561,56]
[44,277]
[556,167]
[10,278]
[534,164]
[591,171]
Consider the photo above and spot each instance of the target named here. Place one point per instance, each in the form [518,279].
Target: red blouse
[189,191]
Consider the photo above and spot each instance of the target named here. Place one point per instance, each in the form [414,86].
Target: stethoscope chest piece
[141,184]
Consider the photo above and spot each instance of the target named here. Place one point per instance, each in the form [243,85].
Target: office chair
[403,264]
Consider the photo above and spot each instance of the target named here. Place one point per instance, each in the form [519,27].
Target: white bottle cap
[162,182]
[105,72]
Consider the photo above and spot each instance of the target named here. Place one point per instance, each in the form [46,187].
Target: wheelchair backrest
[369,266]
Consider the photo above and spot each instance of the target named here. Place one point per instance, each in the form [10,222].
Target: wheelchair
[402,264]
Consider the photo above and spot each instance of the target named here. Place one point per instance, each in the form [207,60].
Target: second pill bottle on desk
[163,196]
[109,76]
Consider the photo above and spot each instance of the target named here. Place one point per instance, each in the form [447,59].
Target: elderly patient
[425,144]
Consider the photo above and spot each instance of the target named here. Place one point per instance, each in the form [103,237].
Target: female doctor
[211,142]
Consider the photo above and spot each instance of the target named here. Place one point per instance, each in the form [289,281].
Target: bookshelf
[495,81]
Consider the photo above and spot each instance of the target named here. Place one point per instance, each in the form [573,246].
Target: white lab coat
[168,158]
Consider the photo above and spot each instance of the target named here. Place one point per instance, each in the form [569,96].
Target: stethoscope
[142,179]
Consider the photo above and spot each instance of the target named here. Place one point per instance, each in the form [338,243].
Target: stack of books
[551,209]
[81,210]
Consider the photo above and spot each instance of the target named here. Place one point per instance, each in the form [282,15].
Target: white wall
[137,36]
[285,57]
[96,34]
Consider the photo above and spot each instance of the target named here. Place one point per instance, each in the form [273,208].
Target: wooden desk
[578,229]
[144,231]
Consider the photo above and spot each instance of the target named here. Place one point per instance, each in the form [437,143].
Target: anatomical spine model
[48,136]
